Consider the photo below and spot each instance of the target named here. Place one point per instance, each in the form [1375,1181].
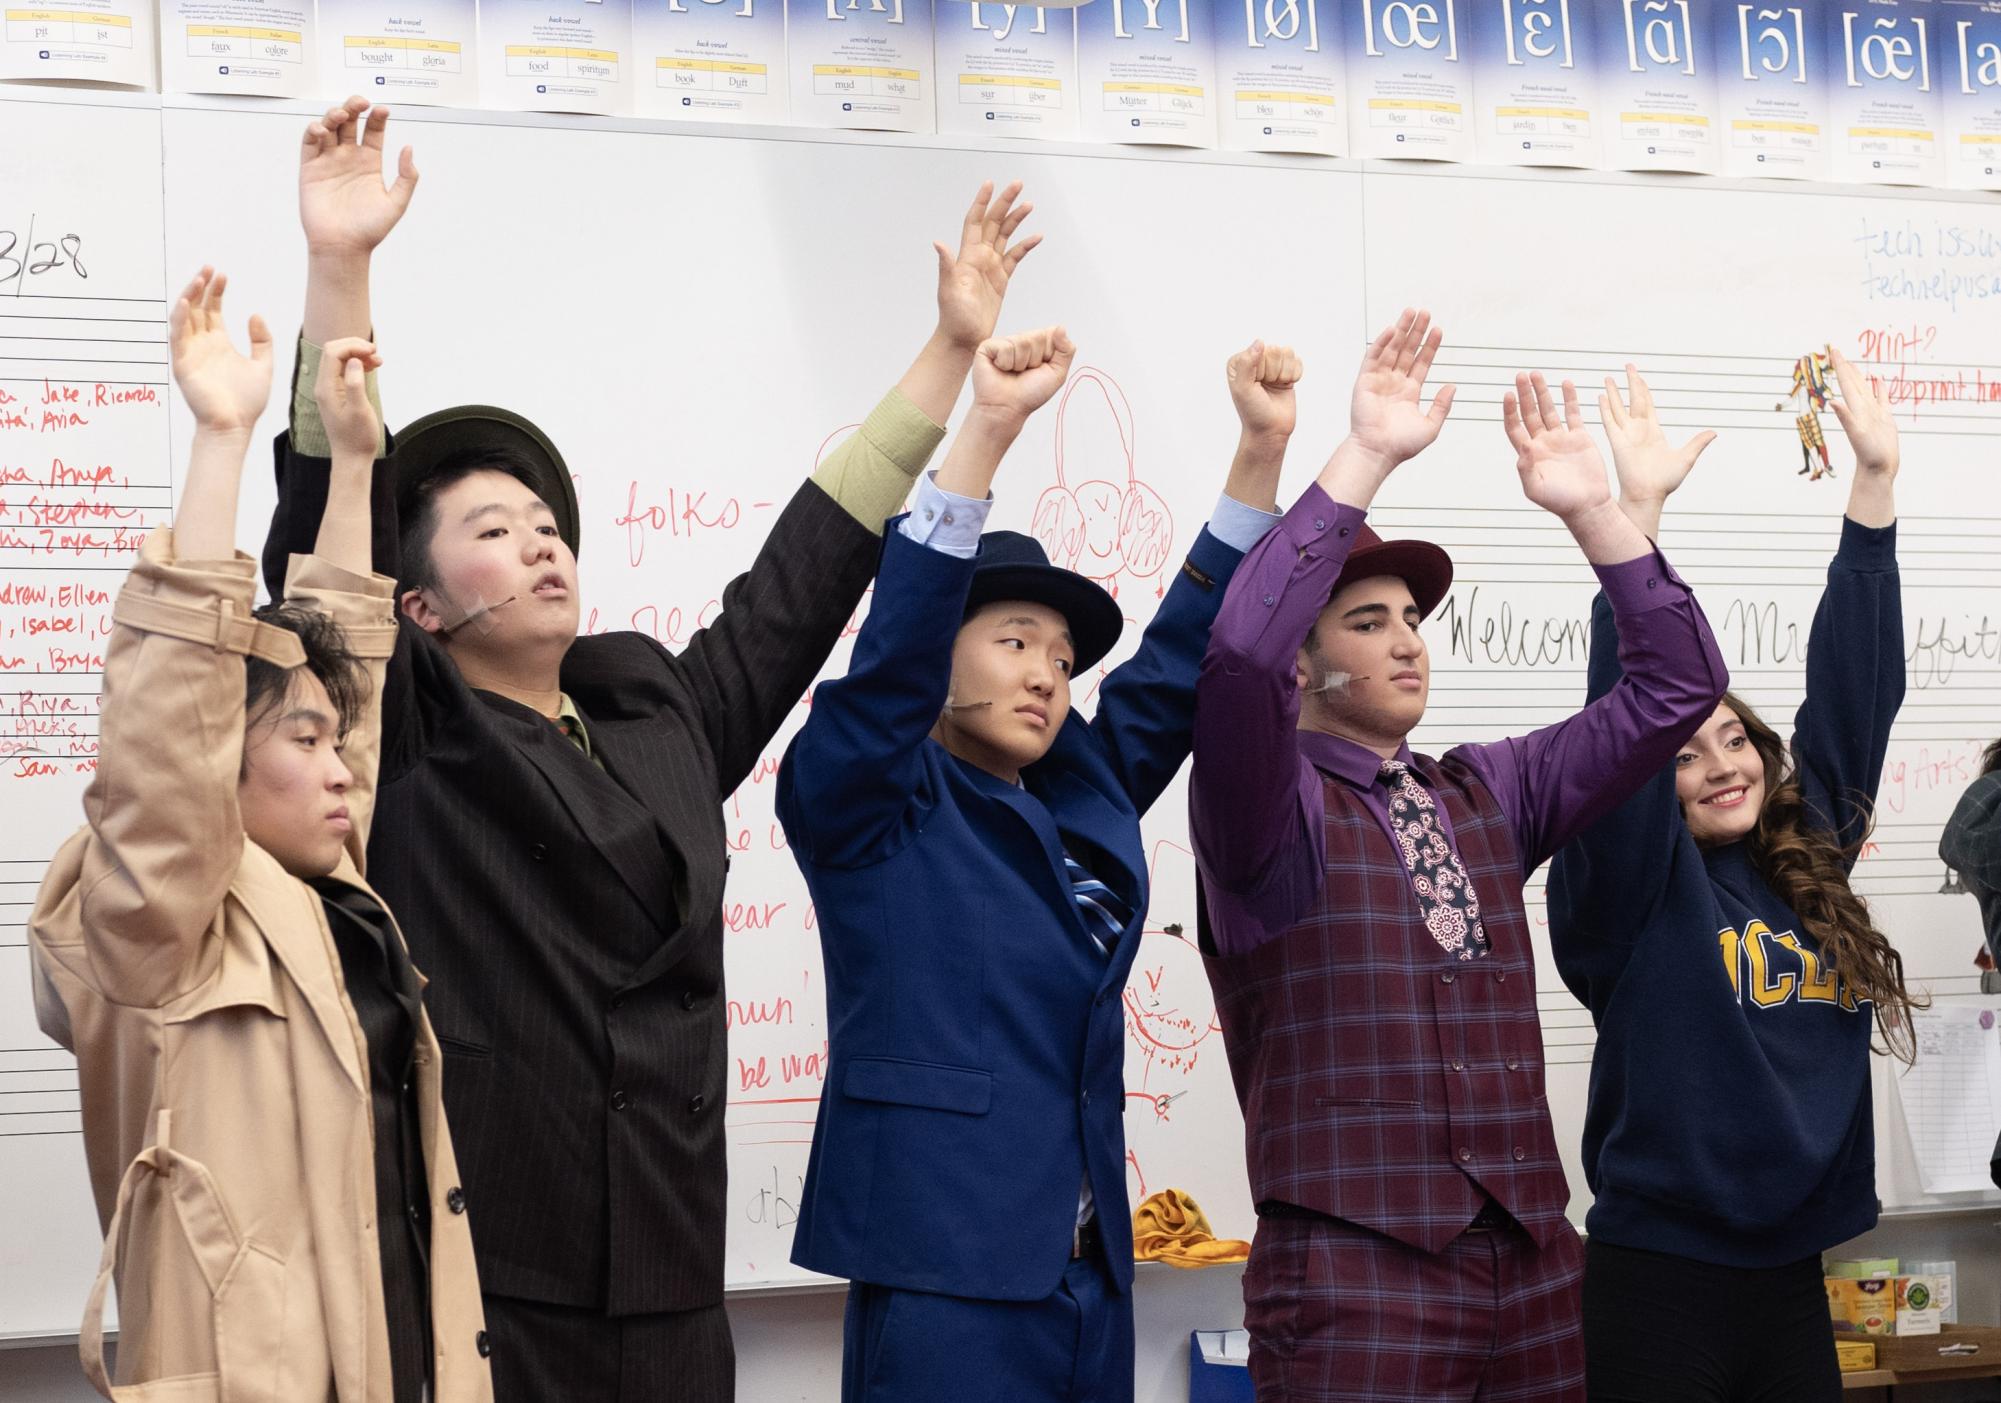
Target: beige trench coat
[226,1113]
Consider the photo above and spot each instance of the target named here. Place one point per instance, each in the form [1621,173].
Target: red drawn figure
[1169,1015]
[1108,525]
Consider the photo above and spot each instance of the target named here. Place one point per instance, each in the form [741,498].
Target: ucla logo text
[1768,970]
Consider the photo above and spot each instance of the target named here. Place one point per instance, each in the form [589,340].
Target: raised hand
[973,283]
[1649,470]
[1864,411]
[1261,379]
[343,204]
[1016,375]
[1560,467]
[1387,416]
[353,427]
[225,389]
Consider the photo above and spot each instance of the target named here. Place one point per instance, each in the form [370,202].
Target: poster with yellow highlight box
[422,51]
[105,41]
[256,48]
[710,60]
[556,55]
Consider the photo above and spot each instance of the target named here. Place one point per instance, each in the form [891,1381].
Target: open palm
[973,283]
[1560,466]
[1864,411]
[1649,468]
[224,389]
[343,203]
[1387,414]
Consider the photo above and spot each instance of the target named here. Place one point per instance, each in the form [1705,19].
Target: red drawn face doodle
[1109,524]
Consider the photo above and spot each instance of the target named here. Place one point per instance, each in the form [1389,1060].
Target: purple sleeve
[1248,802]
[1555,781]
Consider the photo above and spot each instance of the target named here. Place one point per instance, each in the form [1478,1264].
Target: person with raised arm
[1734,974]
[551,815]
[261,1106]
[1364,924]
[973,848]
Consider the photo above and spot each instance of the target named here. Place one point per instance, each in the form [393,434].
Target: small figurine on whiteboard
[1810,374]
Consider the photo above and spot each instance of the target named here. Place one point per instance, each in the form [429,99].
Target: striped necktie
[1105,916]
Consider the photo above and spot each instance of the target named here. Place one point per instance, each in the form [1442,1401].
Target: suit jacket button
[1521,1153]
[455,1199]
[1087,1098]
[1465,1155]
[619,1101]
[617,1003]
[687,998]
[482,1344]
[539,852]
[695,1104]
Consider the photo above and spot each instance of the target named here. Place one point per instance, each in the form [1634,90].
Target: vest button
[455,1199]
[1447,977]
[539,853]
[1514,1064]
[1501,976]
[1087,1098]
[1465,1155]
[687,998]
[481,1343]
[1458,1065]
[619,1101]
[695,1104]
[1521,1153]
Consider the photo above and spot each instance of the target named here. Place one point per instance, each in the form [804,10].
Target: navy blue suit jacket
[977,1049]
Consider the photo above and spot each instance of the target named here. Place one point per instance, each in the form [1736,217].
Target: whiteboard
[696,314]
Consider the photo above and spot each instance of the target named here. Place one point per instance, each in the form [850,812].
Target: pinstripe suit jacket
[569,917]
[1383,1080]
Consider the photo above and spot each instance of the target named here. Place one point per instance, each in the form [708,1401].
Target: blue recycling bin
[1215,1383]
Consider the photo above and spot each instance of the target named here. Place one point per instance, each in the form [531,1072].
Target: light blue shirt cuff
[1240,527]
[945,521]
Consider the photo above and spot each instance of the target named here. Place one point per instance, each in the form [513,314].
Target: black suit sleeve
[780,620]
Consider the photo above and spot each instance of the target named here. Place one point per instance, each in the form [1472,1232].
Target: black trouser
[1662,1329]
[563,1354]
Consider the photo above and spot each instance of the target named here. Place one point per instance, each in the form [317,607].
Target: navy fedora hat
[1014,566]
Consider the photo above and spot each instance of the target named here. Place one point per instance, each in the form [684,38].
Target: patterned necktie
[1104,914]
[1444,892]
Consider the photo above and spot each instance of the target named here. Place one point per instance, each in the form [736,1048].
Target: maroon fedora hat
[1426,568]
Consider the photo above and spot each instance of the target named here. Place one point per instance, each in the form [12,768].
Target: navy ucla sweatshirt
[1729,1117]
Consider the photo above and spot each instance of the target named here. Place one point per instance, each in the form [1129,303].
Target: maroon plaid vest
[1383,1081]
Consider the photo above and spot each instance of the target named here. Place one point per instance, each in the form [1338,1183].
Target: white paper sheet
[105,41]
[423,51]
[1007,70]
[260,48]
[555,55]
[710,60]
[1951,1098]
[861,63]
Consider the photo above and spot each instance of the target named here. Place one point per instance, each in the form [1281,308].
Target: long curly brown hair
[1807,865]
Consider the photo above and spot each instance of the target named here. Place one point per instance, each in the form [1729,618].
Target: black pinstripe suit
[569,919]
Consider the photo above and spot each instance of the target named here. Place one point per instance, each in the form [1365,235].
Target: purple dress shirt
[1256,799]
